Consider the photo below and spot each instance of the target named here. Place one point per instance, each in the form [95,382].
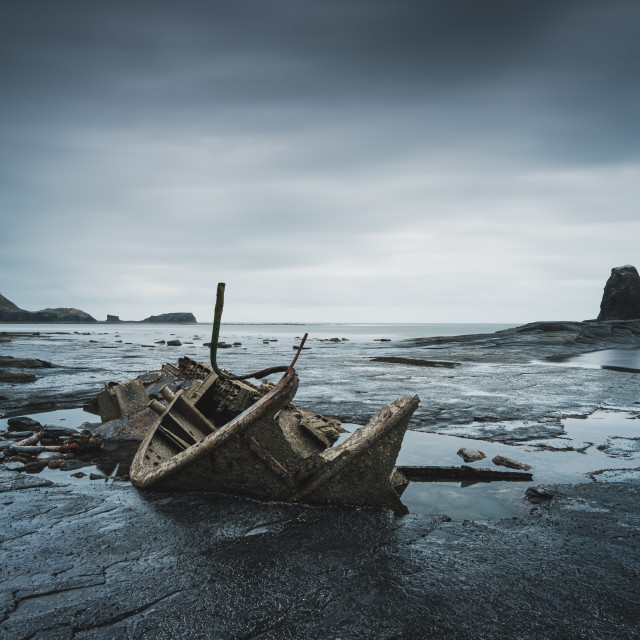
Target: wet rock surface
[125,564]
[22,423]
[510,463]
[13,377]
[112,562]
[510,386]
[471,455]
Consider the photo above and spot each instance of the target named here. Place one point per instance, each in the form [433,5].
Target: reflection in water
[607,439]
[607,358]
[114,460]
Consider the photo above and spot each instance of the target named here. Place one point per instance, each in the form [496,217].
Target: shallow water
[341,374]
[615,427]
[499,499]
[628,358]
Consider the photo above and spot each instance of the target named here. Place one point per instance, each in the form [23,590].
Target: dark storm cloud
[293,137]
[79,62]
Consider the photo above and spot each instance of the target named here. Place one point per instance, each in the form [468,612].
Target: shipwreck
[223,434]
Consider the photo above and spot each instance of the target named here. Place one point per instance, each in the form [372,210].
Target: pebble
[538,495]
[14,466]
[50,455]
[470,455]
[15,424]
[35,467]
[501,461]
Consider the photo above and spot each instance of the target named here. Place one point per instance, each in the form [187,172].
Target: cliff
[10,312]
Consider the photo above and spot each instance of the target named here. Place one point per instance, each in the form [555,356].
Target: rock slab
[122,564]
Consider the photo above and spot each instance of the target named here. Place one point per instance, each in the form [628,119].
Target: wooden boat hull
[216,459]
[260,455]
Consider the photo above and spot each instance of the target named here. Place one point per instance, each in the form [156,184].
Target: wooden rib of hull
[198,463]
[252,455]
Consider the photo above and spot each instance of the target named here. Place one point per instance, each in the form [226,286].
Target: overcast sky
[331,160]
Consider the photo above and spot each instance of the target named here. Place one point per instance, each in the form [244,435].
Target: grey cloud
[290,138]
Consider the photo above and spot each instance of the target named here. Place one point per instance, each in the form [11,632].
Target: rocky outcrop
[10,312]
[172,318]
[111,318]
[621,298]
[7,304]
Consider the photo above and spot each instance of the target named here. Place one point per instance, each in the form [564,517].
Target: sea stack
[621,298]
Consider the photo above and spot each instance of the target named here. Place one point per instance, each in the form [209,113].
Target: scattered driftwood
[79,443]
[34,450]
[432,474]
[32,439]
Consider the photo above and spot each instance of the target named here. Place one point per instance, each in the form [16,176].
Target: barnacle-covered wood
[230,436]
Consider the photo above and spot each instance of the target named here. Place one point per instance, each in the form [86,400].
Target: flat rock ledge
[117,563]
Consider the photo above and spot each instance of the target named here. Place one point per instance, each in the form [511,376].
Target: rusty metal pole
[215,336]
[215,333]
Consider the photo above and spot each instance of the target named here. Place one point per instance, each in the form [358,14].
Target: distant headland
[620,301]
[10,312]
[173,318]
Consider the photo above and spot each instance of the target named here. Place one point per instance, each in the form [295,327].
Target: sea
[336,373]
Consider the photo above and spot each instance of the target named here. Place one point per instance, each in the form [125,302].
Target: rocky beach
[85,555]
[112,561]
[413,421]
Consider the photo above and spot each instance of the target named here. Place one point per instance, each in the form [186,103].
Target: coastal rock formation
[621,298]
[7,304]
[172,318]
[10,312]
[111,318]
